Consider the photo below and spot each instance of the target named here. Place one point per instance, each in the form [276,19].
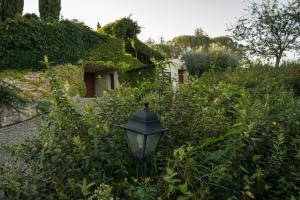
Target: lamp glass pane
[152,142]
[136,143]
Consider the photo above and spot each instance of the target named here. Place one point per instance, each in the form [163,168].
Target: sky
[159,18]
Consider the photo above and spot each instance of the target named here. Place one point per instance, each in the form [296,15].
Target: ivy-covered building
[110,56]
[121,58]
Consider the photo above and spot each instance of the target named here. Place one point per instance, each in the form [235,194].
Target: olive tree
[269,28]
[200,61]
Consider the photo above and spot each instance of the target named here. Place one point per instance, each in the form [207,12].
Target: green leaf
[256,157]
[249,194]
[183,188]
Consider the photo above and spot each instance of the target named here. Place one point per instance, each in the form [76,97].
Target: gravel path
[14,134]
[18,132]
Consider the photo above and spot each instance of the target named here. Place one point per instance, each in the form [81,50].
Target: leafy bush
[224,59]
[230,137]
[197,63]
[201,61]
[23,42]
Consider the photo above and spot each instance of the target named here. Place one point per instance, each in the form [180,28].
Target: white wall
[103,82]
[173,68]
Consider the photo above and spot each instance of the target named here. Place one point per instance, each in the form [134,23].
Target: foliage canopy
[231,135]
[127,29]
[10,8]
[213,58]
[49,9]
[270,28]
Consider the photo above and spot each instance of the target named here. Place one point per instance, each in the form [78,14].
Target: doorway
[89,79]
[181,76]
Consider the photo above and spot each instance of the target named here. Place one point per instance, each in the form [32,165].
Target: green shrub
[198,62]
[230,137]
[23,42]
[223,60]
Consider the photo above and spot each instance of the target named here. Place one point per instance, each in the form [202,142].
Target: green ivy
[24,42]
[127,30]
[73,76]
[137,76]
[124,28]
[110,54]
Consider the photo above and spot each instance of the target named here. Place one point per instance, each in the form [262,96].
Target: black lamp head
[145,122]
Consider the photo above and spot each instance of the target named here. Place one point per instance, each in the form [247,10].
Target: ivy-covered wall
[135,77]
[72,77]
[24,42]
[111,54]
[34,84]
[127,30]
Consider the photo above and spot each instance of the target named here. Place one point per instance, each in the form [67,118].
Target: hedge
[24,42]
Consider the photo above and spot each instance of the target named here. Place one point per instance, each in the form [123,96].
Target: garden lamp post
[143,133]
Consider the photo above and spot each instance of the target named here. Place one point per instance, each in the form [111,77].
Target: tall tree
[183,43]
[269,28]
[49,9]
[10,8]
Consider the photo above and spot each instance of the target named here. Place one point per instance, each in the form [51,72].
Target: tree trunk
[278,58]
